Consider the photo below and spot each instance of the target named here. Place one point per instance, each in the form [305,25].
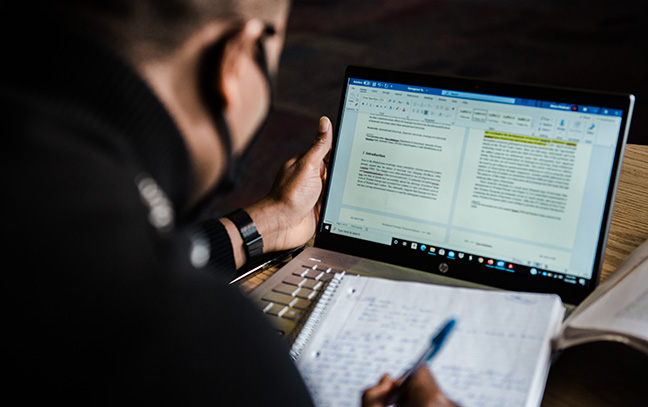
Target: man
[122,120]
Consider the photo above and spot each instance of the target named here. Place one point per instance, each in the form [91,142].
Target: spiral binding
[307,331]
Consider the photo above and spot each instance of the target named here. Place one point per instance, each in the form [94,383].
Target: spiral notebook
[362,327]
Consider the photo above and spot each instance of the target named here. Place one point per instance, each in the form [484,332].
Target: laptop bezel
[571,294]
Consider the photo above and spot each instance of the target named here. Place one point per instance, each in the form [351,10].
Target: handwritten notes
[497,355]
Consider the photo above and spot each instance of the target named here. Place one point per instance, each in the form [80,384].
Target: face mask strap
[262,62]
[215,100]
[215,103]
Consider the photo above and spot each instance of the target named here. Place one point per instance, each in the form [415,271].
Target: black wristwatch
[251,237]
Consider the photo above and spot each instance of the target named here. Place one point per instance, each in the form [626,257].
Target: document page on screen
[479,173]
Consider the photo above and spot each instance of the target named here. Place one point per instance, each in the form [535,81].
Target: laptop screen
[506,185]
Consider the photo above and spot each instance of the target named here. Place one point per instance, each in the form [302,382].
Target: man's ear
[238,49]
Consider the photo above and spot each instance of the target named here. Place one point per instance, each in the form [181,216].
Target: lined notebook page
[497,355]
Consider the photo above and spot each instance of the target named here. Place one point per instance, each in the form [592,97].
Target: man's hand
[421,390]
[379,395]
[287,217]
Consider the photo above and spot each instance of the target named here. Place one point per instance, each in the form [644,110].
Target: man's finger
[376,396]
[322,144]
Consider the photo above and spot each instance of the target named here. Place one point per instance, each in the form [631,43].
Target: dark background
[589,44]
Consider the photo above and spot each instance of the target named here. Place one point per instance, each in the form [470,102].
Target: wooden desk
[599,374]
[629,226]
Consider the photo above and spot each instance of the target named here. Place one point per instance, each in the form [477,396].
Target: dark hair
[156,26]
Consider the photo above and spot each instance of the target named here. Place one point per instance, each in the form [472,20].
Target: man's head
[193,53]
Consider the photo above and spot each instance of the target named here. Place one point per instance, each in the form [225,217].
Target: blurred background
[591,44]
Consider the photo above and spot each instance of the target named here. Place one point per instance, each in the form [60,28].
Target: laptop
[462,182]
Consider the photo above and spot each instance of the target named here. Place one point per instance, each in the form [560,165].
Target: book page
[497,354]
[622,306]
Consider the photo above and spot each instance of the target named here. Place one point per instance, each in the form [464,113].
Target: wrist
[267,218]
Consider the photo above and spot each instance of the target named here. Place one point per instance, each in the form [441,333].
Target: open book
[499,353]
[616,311]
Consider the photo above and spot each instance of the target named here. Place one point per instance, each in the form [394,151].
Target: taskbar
[414,248]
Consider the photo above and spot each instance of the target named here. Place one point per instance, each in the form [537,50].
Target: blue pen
[427,355]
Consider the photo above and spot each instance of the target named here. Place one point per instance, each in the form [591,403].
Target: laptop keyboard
[289,301]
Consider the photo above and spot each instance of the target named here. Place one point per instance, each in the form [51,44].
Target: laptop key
[302,304]
[286,289]
[312,273]
[325,277]
[312,284]
[305,293]
[301,272]
[279,298]
[292,314]
[295,280]
[283,311]
[273,309]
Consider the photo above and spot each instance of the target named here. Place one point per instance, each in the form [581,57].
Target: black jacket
[102,307]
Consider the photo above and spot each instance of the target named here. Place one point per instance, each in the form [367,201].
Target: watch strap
[252,240]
